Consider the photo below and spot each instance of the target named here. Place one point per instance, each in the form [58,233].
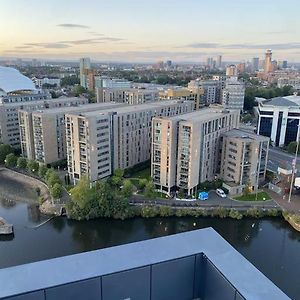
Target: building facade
[101,141]
[233,95]
[278,119]
[84,66]
[243,161]
[43,134]
[186,149]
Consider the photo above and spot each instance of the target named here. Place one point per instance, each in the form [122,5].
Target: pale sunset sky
[147,31]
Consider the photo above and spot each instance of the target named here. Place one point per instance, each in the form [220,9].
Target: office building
[43,134]
[233,95]
[231,70]
[243,161]
[268,68]
[241,68]
[186,149]
[197,264]
[104,140]
[255,64]
[278,119]
[282,64]
[84,65]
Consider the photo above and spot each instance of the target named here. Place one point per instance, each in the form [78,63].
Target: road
[277,156]
[214,201]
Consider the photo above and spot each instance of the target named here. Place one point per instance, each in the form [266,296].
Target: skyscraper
[255,64]
[268,61]
[84,64]
[219,62]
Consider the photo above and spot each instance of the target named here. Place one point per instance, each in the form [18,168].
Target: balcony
[162,268]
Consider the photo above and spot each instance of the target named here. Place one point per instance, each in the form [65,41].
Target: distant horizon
[148,31]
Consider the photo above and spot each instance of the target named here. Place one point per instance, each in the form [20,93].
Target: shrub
[56,191]
[33,166]
[234,214]
[22,163]
[10,160]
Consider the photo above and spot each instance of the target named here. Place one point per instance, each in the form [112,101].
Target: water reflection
[7,203]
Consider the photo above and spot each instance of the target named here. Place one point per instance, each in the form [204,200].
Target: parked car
[203,196]
[220,193]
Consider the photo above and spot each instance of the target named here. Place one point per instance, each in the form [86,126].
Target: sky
[148,31]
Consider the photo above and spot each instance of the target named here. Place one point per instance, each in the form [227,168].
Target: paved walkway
[293,206]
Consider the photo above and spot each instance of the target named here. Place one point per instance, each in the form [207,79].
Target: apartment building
[129,96]
[186,149]
[233,94]
[195,94]
[211,89]
[244,160]
[101,141]
[43,134]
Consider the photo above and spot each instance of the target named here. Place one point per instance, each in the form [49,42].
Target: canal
[270,244]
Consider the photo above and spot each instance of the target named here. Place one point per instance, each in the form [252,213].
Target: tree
[69,80]
[53,178]
[22,163]
[56,191]
[5,150]
[292,147]
[247,189]
[78,90]
[149,189]
[42,171]
[127,188]
[10,160]
[33,166]
[247,118]
[142,183]
[117,178]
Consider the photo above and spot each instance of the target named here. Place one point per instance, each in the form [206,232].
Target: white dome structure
[11,80]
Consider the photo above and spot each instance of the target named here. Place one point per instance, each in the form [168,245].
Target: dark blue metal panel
[82,290]
[216,285]
[132,284]
[174,279]
[39,295]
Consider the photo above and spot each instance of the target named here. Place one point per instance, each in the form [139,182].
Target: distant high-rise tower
[219,62]
[231,70]
[255,64]
[84,64]
[268,62]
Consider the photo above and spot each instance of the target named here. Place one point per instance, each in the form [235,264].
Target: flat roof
[286,101]
[247,279]
[136,108]
[37,102]
[202,114]
[242,134]
[79,108]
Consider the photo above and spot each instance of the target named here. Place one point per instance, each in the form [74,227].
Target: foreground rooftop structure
[198,264]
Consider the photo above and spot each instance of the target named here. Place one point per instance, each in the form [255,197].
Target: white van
[220,193]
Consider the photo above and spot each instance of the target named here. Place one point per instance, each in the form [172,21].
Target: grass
[145,173]
[261,196]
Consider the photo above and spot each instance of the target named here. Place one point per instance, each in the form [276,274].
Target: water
[270,244]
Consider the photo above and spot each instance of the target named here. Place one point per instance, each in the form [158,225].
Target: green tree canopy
[43,170]
[11,160]
[127,188]
[292,146]
[22,163]
[5,150]
[33,166]
[56,191]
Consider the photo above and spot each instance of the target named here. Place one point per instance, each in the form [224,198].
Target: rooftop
[80,108]
[287,101]
[11,80]
[136,108]
[197,264]
[238,133]
[202,114]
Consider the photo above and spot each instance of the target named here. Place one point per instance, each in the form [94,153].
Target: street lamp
[294,165]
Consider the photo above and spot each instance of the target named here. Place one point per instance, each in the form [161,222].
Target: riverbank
[5,228]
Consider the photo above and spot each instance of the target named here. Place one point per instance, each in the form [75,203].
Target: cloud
[71,26]
[279,46]
[58,45]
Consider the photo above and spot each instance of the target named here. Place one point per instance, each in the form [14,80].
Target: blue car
[203,196]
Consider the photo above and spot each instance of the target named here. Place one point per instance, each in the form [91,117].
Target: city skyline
[144,32]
